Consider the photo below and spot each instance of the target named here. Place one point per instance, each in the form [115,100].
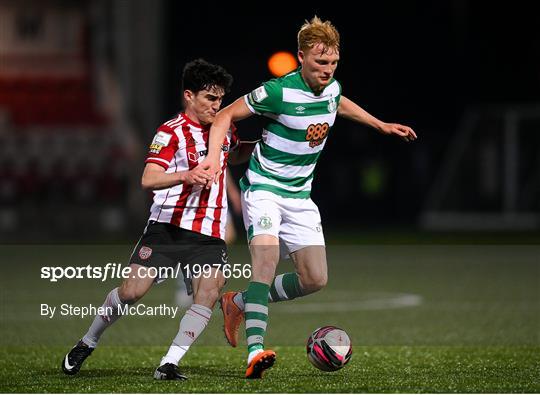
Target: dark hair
[199,74]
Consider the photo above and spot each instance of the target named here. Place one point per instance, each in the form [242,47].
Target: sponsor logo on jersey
[265,222]
[155,148]
[258,95]
[145,252]
[162,138]
[194,156]
[300,109]
[316,133]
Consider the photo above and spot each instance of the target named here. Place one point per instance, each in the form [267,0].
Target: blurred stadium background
[83,86]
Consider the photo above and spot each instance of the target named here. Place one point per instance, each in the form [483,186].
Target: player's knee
[314,283]
[267,262]
[265,255]
[129,295]
[321,281]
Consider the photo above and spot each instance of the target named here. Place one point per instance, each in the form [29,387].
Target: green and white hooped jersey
[283,162]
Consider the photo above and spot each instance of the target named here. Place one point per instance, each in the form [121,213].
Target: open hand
[402,131]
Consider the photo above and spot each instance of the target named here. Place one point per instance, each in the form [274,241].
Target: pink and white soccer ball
[329,348]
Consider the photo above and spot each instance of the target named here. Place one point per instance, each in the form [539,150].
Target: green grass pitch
[422,318]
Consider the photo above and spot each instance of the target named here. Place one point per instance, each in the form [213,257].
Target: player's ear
[188,96]
[300,55]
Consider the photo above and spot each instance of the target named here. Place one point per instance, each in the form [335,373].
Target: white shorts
[295,222]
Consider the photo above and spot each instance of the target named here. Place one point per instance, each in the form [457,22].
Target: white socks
[191,326]
[102,322]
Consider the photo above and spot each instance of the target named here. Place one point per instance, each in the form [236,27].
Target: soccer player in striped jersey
[300,109]
[187,220]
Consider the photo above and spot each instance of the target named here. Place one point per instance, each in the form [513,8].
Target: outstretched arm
[233,112]
[350,110]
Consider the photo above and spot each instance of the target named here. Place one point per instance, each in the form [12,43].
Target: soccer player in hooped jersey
[300,109]
[187,220]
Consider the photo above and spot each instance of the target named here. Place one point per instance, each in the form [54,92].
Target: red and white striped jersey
[179,145]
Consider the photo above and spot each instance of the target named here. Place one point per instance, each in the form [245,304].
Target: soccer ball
[329,348]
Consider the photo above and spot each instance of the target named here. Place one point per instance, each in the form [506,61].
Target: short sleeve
[163,147]
[266,98]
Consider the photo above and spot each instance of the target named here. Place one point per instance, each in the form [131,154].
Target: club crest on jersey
[224,256]
[145,252]
[265,222]
[316,133]
[332,105]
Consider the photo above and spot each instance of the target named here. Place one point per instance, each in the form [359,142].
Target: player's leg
[206,287]
[182,298]
[206,293]
[310,276]
[262,220]
[146,253]
[285,286]
[302,238]
[264,251]
[131,290]
[311,269]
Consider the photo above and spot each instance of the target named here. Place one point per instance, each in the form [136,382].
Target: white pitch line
[380,302]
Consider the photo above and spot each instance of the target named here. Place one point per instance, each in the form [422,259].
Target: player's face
[318,65]
[203,106]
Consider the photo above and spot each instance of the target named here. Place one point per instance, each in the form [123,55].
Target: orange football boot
[232,317]
[260,362]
